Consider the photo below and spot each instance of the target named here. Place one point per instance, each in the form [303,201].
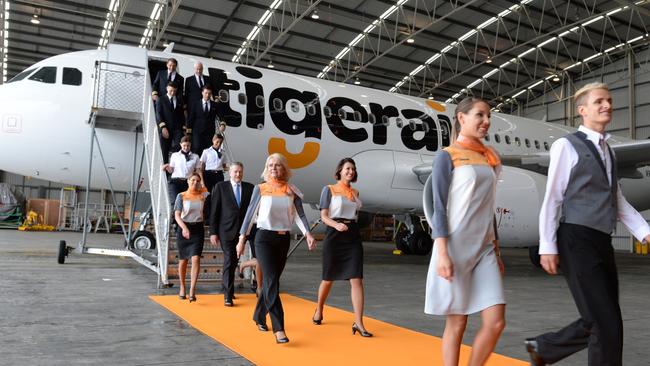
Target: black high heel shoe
[182,297]
[316,321]
[282,340]
[262,327]
[363,333]
[192,298]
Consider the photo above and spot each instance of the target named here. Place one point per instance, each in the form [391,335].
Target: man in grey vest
[583,200]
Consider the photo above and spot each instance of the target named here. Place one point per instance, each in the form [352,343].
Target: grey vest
[589,200]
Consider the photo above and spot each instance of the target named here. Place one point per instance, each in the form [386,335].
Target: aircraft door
[376,170]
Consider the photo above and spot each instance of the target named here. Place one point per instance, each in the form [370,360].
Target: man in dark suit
[164,77]
[171,121]
[194,86]
[230,201]
[200,121]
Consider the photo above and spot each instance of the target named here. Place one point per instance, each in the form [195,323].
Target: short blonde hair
[285,165]
[580,97]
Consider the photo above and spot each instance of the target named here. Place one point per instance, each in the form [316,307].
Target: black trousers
[212,177]
[176,186]
[173,143]
[229,248]
[588,264]
[271,249]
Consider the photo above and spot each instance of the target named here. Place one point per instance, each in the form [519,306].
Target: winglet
[169,48]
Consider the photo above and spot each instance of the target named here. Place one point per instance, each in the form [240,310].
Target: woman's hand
[445,267]
[311,242]
[186,233]
[240,246]
[341,226]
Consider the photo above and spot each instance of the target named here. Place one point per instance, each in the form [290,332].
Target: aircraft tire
[533,254]
[63,252]
[143,240]
[420,243]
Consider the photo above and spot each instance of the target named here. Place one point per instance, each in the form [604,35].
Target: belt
[215,171]
[276,231]
[345,221]
[183,179]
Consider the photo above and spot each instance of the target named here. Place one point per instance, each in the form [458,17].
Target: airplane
[392,137]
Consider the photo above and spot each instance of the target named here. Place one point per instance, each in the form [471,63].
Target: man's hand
[550,262]
[154,97]
[214,239]
[165,133]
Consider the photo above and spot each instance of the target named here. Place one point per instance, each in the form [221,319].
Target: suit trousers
[271,249]
[229,248]
[588,264]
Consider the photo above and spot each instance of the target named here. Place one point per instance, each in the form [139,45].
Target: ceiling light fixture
[488,60]
[410,40]
[270,64]
[430,97]
[556,78]
[356,81]
[315,15]
[35,19]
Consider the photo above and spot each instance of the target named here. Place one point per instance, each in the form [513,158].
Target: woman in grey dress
[465,271]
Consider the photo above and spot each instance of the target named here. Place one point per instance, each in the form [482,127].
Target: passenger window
[385,120]
[259,101]
[507,137]
[278,106]
[537,144]
[223,96]
[399,122]
[45,74]
[242,98]
[357,116]
[342,114]
[497,138]
[372,119]
[412,125]
[327,111]
[425,126]
[21,76]
[295,108]
[527,142]
[517,141]
[71,76]
[545,145]
[311,110]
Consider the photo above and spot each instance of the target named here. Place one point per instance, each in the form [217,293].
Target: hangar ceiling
[505,51]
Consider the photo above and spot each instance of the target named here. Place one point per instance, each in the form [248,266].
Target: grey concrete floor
[96,310]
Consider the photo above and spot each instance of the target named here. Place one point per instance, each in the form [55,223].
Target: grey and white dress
[464,187]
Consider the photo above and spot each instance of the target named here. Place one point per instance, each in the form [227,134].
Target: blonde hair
[285,165]
[580,97]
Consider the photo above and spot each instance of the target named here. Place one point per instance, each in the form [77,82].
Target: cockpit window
[45,74]
[71,76]
[21,76]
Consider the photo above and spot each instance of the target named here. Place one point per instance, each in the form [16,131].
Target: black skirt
[188,248]
[342,254]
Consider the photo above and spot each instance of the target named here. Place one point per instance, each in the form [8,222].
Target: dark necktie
[172,101]
[200,82]
[205,107]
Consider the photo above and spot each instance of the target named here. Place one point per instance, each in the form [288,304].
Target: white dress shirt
[563,158]
[182,167]
[211,160]
[199,80]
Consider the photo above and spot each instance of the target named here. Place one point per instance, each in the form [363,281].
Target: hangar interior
[525,57]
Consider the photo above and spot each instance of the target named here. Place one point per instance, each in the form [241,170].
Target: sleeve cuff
[547,248]
[154,93]
[162,125]
[188,130]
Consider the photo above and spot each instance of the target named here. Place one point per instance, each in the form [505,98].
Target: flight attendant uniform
[213,161]
[183,166]
[277,205]
[342,250]
[464,190]
[191,207]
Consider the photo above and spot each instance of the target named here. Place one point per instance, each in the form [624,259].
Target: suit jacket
[168,116]
[160,84]
[199,122]
[193,90]
[225,217]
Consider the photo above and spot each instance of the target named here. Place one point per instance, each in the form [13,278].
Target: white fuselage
[45,134]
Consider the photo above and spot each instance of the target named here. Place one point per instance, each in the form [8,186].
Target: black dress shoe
[282,340]
[533,350]
[228,303]
[262,327]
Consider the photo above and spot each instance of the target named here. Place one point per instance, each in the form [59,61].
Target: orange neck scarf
[346,190]
[278,186]
[476,145]
[192,194]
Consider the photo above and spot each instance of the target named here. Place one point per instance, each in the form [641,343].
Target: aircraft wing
[629,157]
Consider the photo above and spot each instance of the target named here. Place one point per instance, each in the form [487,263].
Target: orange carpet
[329,344]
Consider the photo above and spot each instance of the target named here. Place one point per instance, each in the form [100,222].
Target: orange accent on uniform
[307,156]
[191,195]
[275,187]
[475,145]
[461,156]
[341,189]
